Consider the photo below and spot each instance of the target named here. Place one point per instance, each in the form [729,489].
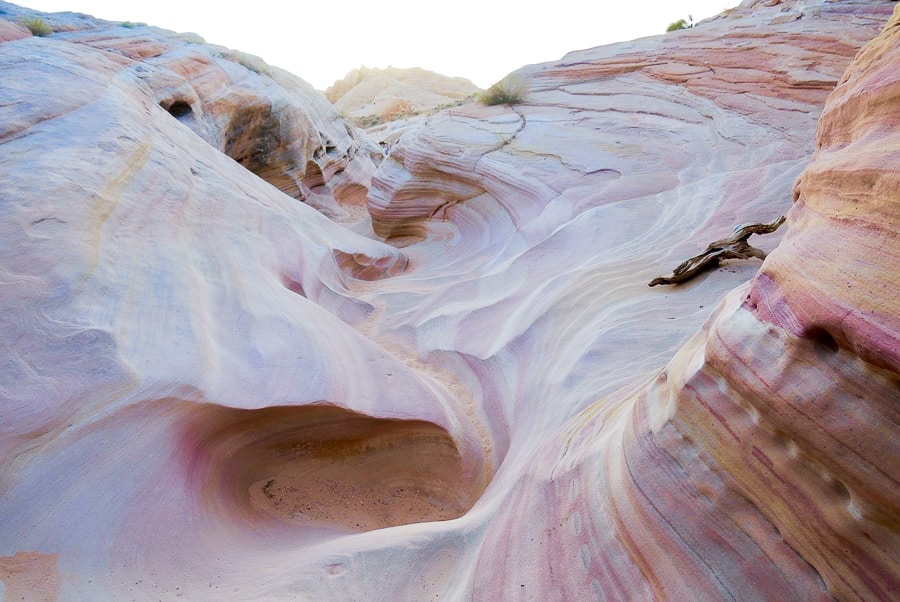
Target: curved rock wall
[210,391]
[634,121]
[149,286]
[758,464]
[266,119]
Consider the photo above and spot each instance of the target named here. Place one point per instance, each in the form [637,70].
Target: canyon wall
[240,361]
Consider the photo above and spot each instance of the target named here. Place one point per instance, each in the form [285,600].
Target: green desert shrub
[509,90]
[37,26]
[681,24]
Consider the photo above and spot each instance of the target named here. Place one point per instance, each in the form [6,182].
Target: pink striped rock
[449,379]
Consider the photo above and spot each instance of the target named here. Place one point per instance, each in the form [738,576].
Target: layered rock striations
[210,390]
[758,464]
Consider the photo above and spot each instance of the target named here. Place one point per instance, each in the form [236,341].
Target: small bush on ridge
[37,26]
[681,24]
[509,90]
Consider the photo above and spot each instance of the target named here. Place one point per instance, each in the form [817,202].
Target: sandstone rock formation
[266,119]
[373,96]
[210,390]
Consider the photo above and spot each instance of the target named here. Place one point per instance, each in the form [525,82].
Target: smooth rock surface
[209,390]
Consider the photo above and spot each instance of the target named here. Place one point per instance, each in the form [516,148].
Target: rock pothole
[321,466]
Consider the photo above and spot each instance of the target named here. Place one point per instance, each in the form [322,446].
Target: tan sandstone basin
[319,466]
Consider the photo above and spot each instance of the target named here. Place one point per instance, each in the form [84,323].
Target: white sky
[322,40]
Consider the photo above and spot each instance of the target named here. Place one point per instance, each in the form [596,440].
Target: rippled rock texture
[210,390]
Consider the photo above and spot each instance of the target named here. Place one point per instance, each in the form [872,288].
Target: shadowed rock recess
[319,465]
[246,354]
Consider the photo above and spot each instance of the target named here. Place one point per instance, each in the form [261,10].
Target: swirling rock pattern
[758,464]
[212,391]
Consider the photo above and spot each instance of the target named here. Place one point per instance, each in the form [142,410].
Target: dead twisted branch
[733,247]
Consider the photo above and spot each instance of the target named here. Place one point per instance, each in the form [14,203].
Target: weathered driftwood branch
[733,247]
